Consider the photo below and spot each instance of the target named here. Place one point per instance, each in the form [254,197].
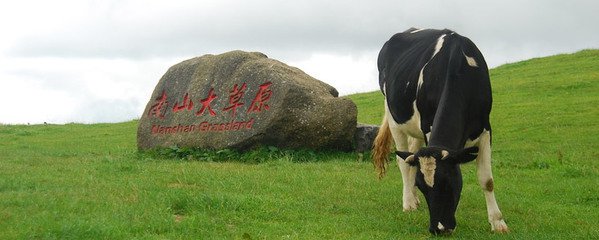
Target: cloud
[351,74]
[107,110]
[60,90]
[141,29]
[24,106]
[78,54]
[184,28]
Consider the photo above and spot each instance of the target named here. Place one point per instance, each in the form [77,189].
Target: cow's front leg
[485,179]
[415,145]
[408,173]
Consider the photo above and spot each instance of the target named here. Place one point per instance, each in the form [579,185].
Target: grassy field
[79,181]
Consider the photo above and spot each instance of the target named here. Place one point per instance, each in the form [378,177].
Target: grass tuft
[254,156]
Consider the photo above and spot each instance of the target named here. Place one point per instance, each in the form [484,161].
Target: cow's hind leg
[485,179]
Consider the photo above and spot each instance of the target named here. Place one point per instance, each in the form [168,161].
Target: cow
[437,104]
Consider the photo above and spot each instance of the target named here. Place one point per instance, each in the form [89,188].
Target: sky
[91,61]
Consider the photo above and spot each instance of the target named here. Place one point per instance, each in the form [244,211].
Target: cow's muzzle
[440,229]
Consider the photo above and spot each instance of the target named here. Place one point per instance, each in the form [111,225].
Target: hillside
[80,181]
[542,108]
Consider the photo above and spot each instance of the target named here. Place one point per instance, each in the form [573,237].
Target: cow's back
[399,64]
[444,77]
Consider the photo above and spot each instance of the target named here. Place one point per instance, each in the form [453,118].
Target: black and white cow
[437,95]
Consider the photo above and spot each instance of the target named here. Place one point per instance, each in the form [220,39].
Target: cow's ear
[467,155]
[407,157]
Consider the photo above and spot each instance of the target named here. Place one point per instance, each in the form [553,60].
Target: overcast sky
[93,61]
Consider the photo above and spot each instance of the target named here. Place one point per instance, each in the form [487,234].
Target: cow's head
[440,181]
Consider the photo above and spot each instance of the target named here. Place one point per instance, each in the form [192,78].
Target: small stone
[364,137]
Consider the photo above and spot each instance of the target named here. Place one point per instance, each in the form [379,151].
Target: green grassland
[80,181]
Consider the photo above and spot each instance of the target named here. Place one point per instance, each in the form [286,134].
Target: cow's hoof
[409,209]
[410,204]
[499,226]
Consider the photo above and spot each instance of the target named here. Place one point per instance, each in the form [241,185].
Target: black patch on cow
[454,100]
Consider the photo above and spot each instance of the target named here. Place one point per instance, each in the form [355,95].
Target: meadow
[79,181]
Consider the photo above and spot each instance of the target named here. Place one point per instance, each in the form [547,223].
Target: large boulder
[240,100]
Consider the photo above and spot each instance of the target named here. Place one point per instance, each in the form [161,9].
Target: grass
[79,181]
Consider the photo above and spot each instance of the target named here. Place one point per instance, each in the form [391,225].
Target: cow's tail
[382,147]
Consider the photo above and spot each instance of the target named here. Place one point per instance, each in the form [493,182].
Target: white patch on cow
[438,47]
[440,226]
[385,91]
[411,127]
[421,77]
[472,143]
[427,168]
[418,30]
[471,61]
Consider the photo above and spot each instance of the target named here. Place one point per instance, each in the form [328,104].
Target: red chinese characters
[156,109]
[234,98]
[206,104]
[187,104]
[261,98]
[210,104]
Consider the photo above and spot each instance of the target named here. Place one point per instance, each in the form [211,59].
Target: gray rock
[240,100]
[364,137]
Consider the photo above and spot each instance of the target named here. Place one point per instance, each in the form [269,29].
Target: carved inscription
[204,106]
